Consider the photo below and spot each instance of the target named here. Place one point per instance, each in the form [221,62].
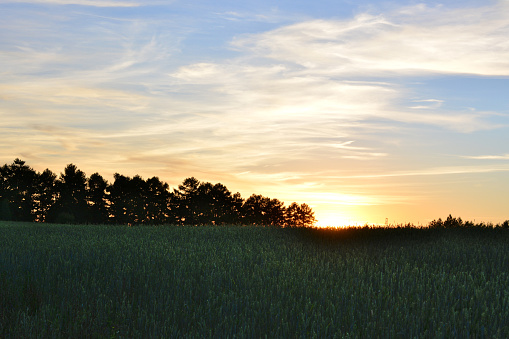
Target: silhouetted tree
[97,199]
[203,204]
[17,191]
[261,210]
[138,200]
[5,194]
[275,212]
[158,201]
[299,216]
[45,194]
[199,203]
[225,207]
[71,203]
[468,224]
[436,223]
[236,209]
[215,204]
[119,199]
[451,222]
[255,210]
[27,195]
[5,205]
[185,202]
[128,200]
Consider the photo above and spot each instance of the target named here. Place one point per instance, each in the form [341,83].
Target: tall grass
[107,281]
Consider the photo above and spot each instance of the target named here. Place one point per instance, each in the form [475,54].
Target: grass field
[74,281]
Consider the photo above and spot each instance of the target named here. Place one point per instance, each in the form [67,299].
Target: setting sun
[336,220]
[332,222]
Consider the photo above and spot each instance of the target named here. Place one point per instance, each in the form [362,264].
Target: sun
[333,221]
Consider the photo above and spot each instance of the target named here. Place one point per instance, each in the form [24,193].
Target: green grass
[109,281]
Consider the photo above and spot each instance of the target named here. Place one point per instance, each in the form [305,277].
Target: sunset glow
[333,222]
[367,111]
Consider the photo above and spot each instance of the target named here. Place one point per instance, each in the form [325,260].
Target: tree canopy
[72,197]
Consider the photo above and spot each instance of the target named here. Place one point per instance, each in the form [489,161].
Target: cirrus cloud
[94,3]
[412,40]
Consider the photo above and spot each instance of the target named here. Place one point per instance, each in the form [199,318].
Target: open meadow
[71,281]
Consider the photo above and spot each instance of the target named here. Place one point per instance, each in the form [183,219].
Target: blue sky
[365,110]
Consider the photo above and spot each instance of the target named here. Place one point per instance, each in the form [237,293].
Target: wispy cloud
[488,157]
[413,40]
[275,107]
[427,104]
[95,3]
[272,16]
[432,171]
[274,70]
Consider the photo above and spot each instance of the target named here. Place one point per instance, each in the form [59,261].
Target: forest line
[72,197]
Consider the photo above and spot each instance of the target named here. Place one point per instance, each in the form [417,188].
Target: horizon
[367,111]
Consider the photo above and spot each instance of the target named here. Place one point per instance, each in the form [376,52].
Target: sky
[368,111]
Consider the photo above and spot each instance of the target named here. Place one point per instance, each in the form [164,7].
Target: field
[115,282]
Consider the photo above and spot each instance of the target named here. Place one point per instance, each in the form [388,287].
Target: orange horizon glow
[334,221]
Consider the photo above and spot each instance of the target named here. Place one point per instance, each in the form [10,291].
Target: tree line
[453,222]
[72,197]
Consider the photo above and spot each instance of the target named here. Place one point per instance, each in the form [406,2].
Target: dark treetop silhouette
[27,195]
